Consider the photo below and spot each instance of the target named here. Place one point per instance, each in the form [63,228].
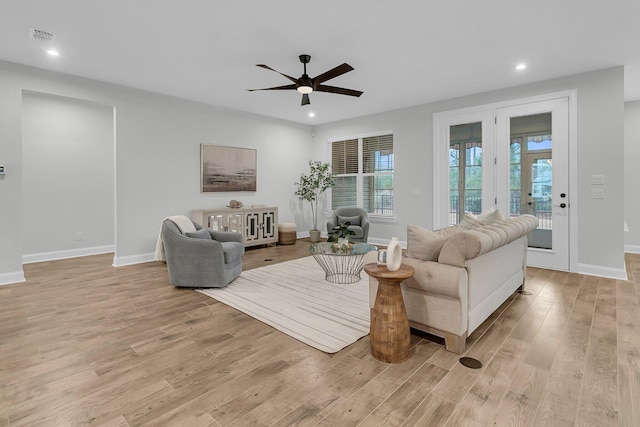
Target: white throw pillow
[470,222]
[491,215]
[485,218]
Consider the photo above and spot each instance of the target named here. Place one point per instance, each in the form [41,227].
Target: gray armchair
[204,259]
[358,218]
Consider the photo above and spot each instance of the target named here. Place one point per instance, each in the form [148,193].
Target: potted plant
[339,237]
[311,186]
[340,233]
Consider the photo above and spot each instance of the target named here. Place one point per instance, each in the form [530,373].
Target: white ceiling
[404,52]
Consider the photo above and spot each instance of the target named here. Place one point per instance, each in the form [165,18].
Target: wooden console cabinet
[258,226]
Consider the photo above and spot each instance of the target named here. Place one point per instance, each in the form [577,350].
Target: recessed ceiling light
[312,114]
[521,67]
[53,52]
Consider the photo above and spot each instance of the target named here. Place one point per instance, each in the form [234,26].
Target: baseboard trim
[632,249]
[599,270]
[71,253]
[133,259]
[12,277]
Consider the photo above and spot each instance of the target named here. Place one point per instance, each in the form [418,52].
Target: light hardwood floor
[83,343]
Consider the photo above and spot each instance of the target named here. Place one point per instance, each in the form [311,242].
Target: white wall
[158,165]
[157,158]
[632,176]
[68,177]
[600,108]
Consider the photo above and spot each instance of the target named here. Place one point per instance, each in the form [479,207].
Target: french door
[514,158]
[540,132]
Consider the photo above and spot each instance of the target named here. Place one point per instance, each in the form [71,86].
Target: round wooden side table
[389,333]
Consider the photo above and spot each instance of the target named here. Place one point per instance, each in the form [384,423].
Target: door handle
[561,205]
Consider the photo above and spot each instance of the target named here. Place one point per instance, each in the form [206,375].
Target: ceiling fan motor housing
[305,85]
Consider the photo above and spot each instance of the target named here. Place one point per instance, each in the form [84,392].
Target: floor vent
[41,35]
[470,362]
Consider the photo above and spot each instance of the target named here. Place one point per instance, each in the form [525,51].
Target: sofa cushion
[203,233]
[353,220]
[426,244]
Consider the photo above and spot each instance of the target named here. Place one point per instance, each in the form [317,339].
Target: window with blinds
[364,173]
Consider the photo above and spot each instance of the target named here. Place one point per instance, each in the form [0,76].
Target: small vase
[394,255]
[314,236]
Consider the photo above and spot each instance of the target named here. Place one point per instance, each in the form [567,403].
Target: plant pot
[314,236]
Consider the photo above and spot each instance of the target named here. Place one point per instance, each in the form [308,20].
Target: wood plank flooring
[84,343]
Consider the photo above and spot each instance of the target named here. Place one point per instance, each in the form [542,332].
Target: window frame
[360,175]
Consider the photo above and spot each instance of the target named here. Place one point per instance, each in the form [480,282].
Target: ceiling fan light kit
[305,85]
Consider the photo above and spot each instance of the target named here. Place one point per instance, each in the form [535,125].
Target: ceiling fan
[305,85]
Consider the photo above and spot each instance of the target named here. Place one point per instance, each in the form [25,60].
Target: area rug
[295,298]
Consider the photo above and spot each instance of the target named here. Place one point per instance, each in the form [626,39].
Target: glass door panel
[539,201]
[531,179]
[465,170]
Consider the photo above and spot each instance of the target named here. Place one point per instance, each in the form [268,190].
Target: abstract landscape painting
[227,168]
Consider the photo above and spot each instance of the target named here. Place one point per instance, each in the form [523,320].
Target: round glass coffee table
[341,264]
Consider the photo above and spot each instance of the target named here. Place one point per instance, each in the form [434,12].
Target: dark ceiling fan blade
[305,99]
[339,90]
[282,74]
[333,73]
[275,88]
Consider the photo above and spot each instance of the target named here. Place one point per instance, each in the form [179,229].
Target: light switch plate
[597,179]
[597,193]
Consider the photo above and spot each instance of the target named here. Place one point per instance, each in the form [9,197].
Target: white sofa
[463,274]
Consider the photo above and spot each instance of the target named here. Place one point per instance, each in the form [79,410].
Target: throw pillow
[353,220]
[470,222]
[426,244]
[491,215]
[203,233]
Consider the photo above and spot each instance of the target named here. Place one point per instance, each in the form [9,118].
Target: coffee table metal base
[342,270]
[341,267]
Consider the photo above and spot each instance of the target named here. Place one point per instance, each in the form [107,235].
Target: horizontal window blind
[345,192]
[377,154]
[344,157]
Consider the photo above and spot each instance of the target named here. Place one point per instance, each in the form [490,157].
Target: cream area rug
[294,298]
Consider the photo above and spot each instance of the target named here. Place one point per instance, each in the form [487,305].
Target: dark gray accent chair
[358,218]
[209,259]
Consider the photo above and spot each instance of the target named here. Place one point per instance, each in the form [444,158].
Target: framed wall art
[227,168]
